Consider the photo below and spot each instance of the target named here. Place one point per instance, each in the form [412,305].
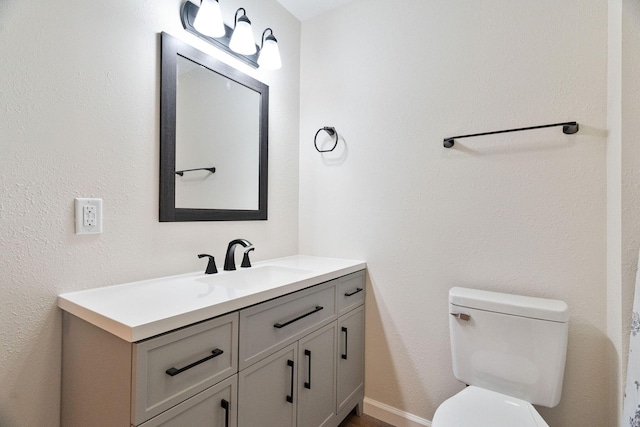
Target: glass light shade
[242,37]
[209,19]
[270,54]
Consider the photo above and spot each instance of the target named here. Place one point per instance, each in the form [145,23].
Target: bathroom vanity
[279,344]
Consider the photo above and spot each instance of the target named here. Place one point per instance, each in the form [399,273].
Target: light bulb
[242,37]
[270,54]
[209,19]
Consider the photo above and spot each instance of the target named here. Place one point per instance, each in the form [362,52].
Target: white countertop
[139,310]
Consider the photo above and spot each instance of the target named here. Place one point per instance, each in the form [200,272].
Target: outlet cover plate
[88,215]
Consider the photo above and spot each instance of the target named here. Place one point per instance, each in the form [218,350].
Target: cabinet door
[214,407]
[267,391]
[350,355]
[317,377]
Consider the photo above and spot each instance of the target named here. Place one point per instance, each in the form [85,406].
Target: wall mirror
[213,138]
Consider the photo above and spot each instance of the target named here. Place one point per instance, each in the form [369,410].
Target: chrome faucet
[229,260]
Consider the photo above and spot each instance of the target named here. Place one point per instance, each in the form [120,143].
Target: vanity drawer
[173,367]
[212,407]
[351,289]
[266,327]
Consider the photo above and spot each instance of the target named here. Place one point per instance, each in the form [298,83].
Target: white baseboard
[393,416]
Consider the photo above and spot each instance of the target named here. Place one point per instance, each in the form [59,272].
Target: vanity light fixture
[237,41]
[269,57]
[209,19]
[242,37]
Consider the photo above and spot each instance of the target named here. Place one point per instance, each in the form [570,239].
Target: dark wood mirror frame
[170,50]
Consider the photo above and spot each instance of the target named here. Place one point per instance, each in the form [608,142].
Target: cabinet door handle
[290,397]
[225,405]
[282,325]
[308,383]
[346,342]
[175,371]
[348,294]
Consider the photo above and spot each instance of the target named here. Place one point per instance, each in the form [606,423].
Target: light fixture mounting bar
[188,15]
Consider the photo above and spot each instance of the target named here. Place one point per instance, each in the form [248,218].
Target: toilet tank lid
[517,305]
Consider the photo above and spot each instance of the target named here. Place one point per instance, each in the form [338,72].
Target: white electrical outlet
[88,216]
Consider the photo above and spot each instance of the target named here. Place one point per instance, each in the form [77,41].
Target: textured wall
[79,116]
[630,153]
[630,164]
[522,213]
[623,189]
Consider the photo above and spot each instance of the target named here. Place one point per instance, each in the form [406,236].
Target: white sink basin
[139,310]
[255,277]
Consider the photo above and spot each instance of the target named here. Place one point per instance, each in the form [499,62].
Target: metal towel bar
[568,128]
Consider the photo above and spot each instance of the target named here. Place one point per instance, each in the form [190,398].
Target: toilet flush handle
[461,316]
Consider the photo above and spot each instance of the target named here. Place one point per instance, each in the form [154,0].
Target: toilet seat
[478,407]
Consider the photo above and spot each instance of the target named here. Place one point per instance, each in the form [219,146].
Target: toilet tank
[511,344]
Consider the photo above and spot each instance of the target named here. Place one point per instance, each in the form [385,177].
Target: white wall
[614,207]
[522,213]
[630,111]
[79,116]
[623,177]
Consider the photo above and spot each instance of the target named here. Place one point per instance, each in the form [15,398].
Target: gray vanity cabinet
[292,361]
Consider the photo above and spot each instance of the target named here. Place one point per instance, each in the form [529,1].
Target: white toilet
[510,350]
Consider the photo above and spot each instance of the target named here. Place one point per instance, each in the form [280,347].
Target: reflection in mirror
[221,134]
[213,139]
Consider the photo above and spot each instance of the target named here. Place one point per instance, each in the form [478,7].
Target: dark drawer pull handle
[225,405]
[348,294]
[308,383]
[175,371]
[346,341]
[290,397]
[282,325]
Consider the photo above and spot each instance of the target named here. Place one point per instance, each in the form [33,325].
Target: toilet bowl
[477,407]
[510,350]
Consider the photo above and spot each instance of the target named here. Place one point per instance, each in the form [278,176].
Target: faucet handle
[245,259]
[211,266]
